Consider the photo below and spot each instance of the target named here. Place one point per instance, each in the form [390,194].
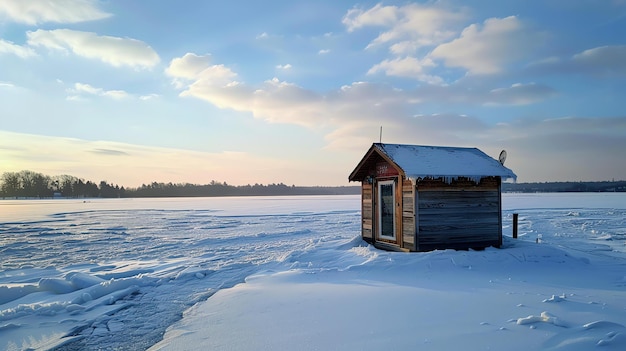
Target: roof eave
[455,176]
[373,149]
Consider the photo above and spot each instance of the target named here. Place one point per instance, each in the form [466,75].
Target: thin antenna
[380,138]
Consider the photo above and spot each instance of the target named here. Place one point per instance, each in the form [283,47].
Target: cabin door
[386,210]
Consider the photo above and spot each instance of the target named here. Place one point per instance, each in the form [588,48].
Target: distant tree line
[36,185]
[29,184]
[558,187]
[223,189]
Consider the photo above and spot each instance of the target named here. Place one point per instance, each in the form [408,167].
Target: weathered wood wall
[367,212]
[459,215]
[436,215]
[408,215]
[398,211]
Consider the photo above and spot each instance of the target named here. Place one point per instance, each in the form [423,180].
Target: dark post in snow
[514,225]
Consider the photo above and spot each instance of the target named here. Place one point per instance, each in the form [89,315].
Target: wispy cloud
[519,94]
[602,61]
[323,51]
[110,152]
[7,85]
[7,47]
[610,58]
[284,67]
[33,12]
[81,89]
[114,51]
[148,97]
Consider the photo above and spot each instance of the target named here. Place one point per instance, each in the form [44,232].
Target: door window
[386,209]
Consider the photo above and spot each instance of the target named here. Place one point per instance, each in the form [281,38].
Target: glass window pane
[387,209]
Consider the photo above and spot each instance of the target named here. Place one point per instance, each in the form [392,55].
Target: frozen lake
[157,249]
[115,273]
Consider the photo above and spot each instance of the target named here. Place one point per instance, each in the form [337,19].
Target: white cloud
[81,89]
[487,49]
[34,12]
[422,37]
[408,67]
[378,15]
[148,97]
[7,47]
[218,75]
[403,48]
[274,101]
[192,67]
[86,88]
[283,102]
[323,51]
[263,35]
[111,50]
[116,94]
[362,104]
[189,66]
[7,85]
[284,67]
[420,24]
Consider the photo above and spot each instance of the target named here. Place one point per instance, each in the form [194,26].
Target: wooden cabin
[422,198]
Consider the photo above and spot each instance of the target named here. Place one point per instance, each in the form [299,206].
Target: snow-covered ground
[119,274]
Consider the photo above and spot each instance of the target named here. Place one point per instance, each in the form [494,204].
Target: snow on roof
[446,162]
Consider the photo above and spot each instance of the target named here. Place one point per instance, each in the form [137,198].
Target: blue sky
[248,92]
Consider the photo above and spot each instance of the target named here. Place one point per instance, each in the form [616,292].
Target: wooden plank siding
[408,215]
[367,212]
[398,211]
[453,218]
[500,211]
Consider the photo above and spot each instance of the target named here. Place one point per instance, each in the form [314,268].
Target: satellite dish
[502,157]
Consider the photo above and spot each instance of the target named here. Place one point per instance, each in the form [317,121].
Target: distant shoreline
[565,187]
[239,191]
[216,189]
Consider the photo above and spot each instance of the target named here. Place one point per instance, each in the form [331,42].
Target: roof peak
[429,146]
